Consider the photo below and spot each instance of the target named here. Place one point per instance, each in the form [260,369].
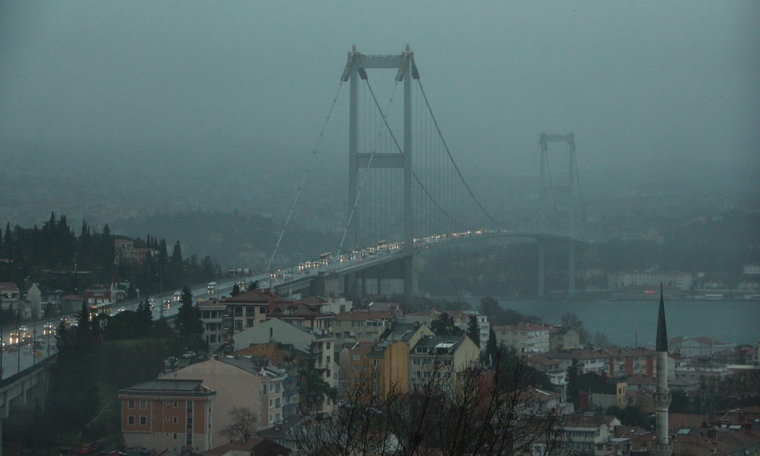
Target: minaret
[662,398]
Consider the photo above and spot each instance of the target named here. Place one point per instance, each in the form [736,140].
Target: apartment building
[168,414]
[360,325]
[523,337]
[212,315]
[248,309]
[441,359]
[239,382]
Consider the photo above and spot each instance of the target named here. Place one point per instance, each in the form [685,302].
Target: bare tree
[243,424]
[476,411]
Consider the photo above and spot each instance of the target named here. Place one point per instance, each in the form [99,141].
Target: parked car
[85,449]
[189,354]
[201,354]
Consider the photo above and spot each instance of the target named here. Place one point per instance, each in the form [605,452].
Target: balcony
[662,400]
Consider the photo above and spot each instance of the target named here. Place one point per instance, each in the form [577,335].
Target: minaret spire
[662,397]
[662,330]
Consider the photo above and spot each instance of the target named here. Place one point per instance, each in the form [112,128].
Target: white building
[622,279]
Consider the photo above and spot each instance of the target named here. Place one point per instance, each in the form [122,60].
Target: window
[357,357]
[238,311]
[131,404]
[238,325]
[167,402]
[176,404]
[277,417]
[167,418]
[143,420]
[356,381]
[356,368]
[328,360]
[189,406]
[175,436]
[131,420]
[277,388]
[143,405]
[249,322]
[376,375]
[250,311]
[271,403]
[264,390]
[189,439]
[375,362]
[175,420]
[416,361]
[263,309]
[277,403]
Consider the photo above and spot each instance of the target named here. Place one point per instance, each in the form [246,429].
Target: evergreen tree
[254,285]
[177,254]
[73,396]
[444,326]
[235,290]
[144,318]
[163,255]
[473,329]
[188,320]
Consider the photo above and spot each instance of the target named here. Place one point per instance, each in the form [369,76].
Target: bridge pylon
[569,200]
[355,70]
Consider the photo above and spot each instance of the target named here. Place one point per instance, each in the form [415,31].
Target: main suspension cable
[445,146]
[305,174]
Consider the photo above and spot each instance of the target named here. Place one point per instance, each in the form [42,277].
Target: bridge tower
[355,69]
[569,205]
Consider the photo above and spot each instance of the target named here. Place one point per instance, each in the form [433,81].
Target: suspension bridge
[406,192]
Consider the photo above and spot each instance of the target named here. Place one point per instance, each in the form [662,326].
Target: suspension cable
[430,197]
[580,195]
[305,174]
[435,122]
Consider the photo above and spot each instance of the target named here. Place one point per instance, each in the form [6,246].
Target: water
[735,322]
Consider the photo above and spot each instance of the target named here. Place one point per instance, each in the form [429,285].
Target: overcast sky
[630,79]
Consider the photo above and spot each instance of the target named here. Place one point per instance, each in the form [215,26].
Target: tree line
[55,256]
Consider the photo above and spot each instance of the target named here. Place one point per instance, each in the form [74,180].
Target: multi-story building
[248,309]
[562,338]
[170,415]
[212,315]
[588,360]
[589,435]
[312,312]
[523,337]
[10,296]
[630,361]
[604,390]
[124,251]
[360,325]
[441,359]
[681,280]
[697,346]
[239,382]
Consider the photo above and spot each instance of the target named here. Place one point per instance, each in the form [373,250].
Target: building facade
[167,415]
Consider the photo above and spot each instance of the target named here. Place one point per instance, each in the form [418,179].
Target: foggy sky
[677,80]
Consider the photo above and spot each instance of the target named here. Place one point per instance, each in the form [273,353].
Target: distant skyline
[645,80]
